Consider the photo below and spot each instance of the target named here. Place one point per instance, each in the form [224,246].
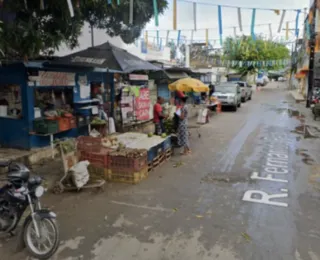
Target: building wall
[100,37]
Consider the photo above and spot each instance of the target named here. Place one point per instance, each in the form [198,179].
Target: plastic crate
[127,163]
[89,144]
[97,159]
[64,123]
[125,177]
[44,126]
[96,173]
[73,122]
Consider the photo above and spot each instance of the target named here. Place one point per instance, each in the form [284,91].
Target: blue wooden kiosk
[16,131]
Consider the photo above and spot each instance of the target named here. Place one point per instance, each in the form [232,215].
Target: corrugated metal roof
[176,75]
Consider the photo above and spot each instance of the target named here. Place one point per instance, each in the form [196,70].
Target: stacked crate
[128,166]
[91,149]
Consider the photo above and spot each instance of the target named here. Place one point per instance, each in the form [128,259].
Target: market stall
[40,104]
[127,157]
[191,85]
[130,94]
[135,109]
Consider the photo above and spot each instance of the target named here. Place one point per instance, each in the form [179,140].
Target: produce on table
[121,146]
[98,121]
[164,135]
[110,142]
[129,153]
[150,134]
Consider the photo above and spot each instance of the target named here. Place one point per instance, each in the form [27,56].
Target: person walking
[158,117]
[211,90]
[183,135]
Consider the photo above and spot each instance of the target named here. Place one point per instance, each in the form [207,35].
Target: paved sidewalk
[297,96]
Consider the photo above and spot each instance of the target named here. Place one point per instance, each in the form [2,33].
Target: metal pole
[92,35]
[311,57]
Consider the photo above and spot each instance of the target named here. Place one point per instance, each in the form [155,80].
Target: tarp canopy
[189,85]
[105,56]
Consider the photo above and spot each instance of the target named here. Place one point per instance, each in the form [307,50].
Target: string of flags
[254,13]
[165,41]
[194,6]
[241,64]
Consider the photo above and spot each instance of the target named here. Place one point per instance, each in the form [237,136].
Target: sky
[207,18]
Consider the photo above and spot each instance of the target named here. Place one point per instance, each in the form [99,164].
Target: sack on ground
[80,174]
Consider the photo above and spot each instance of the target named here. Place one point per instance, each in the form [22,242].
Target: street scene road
[250,190]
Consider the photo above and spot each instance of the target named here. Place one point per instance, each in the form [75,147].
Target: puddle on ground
[291,112]
[224,177]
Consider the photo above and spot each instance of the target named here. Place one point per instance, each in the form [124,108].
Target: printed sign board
[52,78]
[142,105]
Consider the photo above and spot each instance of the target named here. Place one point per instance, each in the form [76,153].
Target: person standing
[178,95]
[158,116]
[211,89]
[183,135]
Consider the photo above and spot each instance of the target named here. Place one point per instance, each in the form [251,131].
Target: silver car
[229,94]
[246,91]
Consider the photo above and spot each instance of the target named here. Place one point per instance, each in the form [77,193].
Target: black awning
[106,56]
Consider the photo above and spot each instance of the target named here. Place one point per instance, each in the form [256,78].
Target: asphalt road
[250,190]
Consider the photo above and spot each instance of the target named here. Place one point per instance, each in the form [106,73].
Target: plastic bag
[80,174]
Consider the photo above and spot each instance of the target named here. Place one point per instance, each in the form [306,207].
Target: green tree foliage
[28,29]
[246,49]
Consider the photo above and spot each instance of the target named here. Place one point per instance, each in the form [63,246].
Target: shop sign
[142,105]
[51,78]
[138,77]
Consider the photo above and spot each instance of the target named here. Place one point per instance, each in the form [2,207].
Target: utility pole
[312,43]
[92,35]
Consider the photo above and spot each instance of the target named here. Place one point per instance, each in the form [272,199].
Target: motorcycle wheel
[48,243]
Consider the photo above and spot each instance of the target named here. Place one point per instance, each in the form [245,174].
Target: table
[51,136]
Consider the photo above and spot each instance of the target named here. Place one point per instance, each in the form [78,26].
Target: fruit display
[169,126]
[110,142]
[129,153]
[98,121]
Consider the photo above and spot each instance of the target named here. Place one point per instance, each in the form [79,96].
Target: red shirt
[180,94]
[157,109]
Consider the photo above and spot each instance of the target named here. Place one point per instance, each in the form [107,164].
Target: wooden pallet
[168,154]
[160,159]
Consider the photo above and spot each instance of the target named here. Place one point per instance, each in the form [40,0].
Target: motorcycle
[39,233]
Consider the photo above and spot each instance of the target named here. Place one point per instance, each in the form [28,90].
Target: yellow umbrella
[188,85]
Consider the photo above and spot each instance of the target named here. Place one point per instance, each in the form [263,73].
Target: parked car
[229,94]
[246,91]
[263,81]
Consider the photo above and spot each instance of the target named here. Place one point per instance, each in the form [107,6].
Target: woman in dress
[183,135]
